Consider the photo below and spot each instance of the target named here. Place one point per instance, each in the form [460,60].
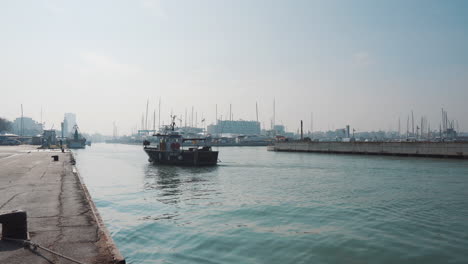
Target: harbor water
[258,206]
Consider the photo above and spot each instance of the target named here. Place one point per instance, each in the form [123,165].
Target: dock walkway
[61,217]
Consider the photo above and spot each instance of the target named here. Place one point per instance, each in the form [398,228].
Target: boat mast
[159,118]
[256,110]
[399,128]
[311,122]
[274,114]
[146,118]
[154,121]
[22,123]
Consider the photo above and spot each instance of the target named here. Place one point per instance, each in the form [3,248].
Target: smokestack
[302,133]
[347,131]
[61,124]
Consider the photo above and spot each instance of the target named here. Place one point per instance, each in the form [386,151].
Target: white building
[26,126]
[235,127]
[69,122]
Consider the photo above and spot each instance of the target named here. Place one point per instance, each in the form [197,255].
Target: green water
[268,207]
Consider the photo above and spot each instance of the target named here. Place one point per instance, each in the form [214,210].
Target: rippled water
[268,207]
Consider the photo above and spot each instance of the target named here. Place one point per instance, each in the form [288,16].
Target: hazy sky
[363,63]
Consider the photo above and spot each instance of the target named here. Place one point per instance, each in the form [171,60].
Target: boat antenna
[173,117]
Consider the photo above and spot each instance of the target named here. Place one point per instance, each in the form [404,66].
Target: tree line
[5,125]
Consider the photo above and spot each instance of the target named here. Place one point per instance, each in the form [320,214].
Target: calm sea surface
[267,207]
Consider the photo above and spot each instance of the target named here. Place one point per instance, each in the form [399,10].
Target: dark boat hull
[182,158]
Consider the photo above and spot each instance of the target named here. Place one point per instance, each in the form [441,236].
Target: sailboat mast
[256,110]
[146,118]
[311,122]
[274,114]
[191,120]
[399,125]
[154,121]
[159,113]
[22,122]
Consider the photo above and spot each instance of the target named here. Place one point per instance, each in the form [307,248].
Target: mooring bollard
[55,157]
[14,225]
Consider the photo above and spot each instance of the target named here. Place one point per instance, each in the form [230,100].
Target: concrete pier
[416,149]
[60,214]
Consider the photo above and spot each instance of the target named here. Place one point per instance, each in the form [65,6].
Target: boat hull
[183,157]
[76,145]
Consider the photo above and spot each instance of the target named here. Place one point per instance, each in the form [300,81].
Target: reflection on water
[171,183]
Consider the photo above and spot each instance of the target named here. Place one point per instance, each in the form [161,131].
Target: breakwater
[417,149]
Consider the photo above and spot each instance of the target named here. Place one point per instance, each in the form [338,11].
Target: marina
[280,132]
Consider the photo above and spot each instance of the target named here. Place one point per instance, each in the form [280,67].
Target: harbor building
[26,126]
[279,129]
[239,127]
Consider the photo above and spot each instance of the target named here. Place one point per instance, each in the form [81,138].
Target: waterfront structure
[69,122]
[416,149]
[279,129]
[239,127]
[61,215]
[26,126]
[49,138]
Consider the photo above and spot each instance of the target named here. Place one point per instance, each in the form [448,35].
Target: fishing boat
[77,141]
[170,150]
